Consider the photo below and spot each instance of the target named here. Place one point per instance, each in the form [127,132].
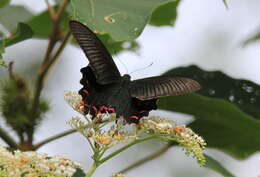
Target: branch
[146,159]
[54,37]
[7,139]
[45,66]
[10,70]
[52,138]
[50,9]
[56,56]
[125,147]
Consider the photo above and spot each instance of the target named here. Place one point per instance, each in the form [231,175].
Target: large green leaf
[122,20]
[11,15]
[243,93]
[4,3]
[165,14]
[216,166]
[23,32]
[221,123]
[42,26]
[115,47]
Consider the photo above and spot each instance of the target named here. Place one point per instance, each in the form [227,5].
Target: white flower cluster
[169,131]
[115,135]
[160,127]
[75,101]
[107,137]
[33,164]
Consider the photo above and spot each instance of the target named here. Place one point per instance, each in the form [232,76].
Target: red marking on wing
[85,91]
[134,117]
[95,109]
[111,110]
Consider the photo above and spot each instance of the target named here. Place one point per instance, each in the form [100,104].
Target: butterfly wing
[160,86]
[100,60]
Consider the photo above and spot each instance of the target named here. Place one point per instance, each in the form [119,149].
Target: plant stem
[54,37]
[50,8]
[46,65]
[7,139]
[92,170]
[52,138]
[126,147]
[57,54]
[146,159]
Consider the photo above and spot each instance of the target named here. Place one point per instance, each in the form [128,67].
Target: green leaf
[165,14]
[216,166]
[252,39]
[23,32]
[242,93]
[79,173]
[219,122]
[4,3]
[42,26]
[122,21]
[115,47]
[225,3]
[10,15]
[24,174]
[2,50]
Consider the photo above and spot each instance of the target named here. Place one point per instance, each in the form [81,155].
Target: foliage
[222,113]
[219,120]
[216,166]
[165,14]
[104,16]
[23,32]
[242,93]
[15,105]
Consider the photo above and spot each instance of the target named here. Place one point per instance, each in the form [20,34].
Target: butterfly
[106,91]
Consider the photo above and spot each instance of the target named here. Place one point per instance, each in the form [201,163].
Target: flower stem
[126,147]
[92,170]
[147,159]
[50,139]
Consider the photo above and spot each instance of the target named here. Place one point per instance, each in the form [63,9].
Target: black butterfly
[105,90]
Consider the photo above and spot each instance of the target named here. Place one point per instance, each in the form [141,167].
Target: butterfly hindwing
[160,86]
[99,58]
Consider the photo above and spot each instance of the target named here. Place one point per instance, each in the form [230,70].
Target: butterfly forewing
[160,86]
[99,58]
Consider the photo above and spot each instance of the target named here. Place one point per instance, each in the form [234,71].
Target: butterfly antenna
[142,68]
[122,63]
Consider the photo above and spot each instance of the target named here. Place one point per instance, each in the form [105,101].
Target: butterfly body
[112,98]
[105,90]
